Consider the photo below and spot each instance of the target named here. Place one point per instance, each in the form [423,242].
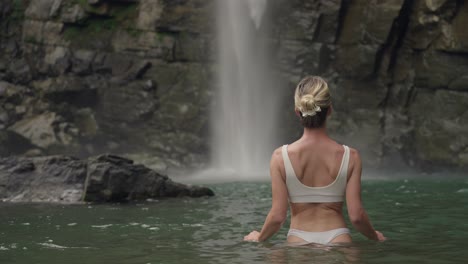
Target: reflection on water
[425,222]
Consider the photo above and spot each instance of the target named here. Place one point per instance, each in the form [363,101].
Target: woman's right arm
[356,212]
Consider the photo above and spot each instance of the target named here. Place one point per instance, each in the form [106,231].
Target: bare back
[316,164]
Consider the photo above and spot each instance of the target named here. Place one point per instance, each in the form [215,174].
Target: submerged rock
[105,178]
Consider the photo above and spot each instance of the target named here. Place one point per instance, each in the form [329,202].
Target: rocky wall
[136,76]
[82,77]
[397,69]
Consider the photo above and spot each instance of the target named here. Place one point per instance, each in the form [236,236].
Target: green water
[425,221]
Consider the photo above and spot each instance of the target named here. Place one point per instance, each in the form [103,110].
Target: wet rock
[301,21]
[136,71]
[118,64]
[356,61]
[42,9]
[369,22]
[128,103]
[440,70]
[94,2]
[52,33]
[82,60]
[45,130]
[193,48]
[150,12]
[12,143]
[73,14]
[20,72]
[187,16]
[32,31]
[460,83]
[86,122]
[105,178]
[154,44]
[443,138]
[434,5]
[5,8]
[57,60]
[454,37]
[68,89]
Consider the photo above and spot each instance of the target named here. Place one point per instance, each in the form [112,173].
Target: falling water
[245,106]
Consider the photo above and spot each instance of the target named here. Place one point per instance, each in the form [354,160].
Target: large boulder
[46,130]
[105,178]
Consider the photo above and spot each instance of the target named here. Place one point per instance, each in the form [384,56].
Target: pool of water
[426,221]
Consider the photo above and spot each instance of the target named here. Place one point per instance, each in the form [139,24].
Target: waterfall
[245,107]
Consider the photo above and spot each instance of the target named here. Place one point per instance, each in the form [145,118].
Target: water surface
[425,221]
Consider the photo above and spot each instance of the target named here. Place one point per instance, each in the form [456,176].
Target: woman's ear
[330,110]
[297,112]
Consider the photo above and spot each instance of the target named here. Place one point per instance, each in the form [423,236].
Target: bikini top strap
[287,162]
[346,155]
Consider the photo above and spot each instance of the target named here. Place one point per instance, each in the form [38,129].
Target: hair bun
[309,106]
[308,102]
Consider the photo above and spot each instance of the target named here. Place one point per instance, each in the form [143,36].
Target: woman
[315,174]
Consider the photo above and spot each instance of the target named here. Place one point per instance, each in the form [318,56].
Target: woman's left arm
[279,199]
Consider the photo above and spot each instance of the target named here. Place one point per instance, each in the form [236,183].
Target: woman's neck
[315,133]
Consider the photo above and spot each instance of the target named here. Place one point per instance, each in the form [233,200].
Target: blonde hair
[312,99]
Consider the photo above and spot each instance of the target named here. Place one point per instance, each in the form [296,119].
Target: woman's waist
[317,222]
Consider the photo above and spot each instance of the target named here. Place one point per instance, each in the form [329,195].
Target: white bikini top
[301,193]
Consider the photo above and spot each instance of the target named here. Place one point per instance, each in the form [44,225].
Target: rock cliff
[137,76]
[398,70]
[83,77]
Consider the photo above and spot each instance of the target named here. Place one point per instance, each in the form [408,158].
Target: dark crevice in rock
[445,88]
[341,18]
[318,28]
[454,53]
[390,50]
[395,38]
[409,98]
[401,26]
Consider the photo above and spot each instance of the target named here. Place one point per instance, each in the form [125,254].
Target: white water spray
[245,107]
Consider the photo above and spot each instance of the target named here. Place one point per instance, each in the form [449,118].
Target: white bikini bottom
[318,237]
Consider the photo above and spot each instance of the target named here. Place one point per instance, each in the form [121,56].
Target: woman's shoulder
[277,155]
[354,153]
[277,161]
[354,158]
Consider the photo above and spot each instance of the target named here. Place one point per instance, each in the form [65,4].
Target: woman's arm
[357,213]
[279,199]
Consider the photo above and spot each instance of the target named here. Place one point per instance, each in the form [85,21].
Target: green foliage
[101,26]
[160,36]
[72,32]
[97,30]
[31,39]
[133,32]
[17,14]
[124,13]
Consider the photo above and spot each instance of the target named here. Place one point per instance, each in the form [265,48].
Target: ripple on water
[462,191]
[55,246]
[51,245]
[101,226]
